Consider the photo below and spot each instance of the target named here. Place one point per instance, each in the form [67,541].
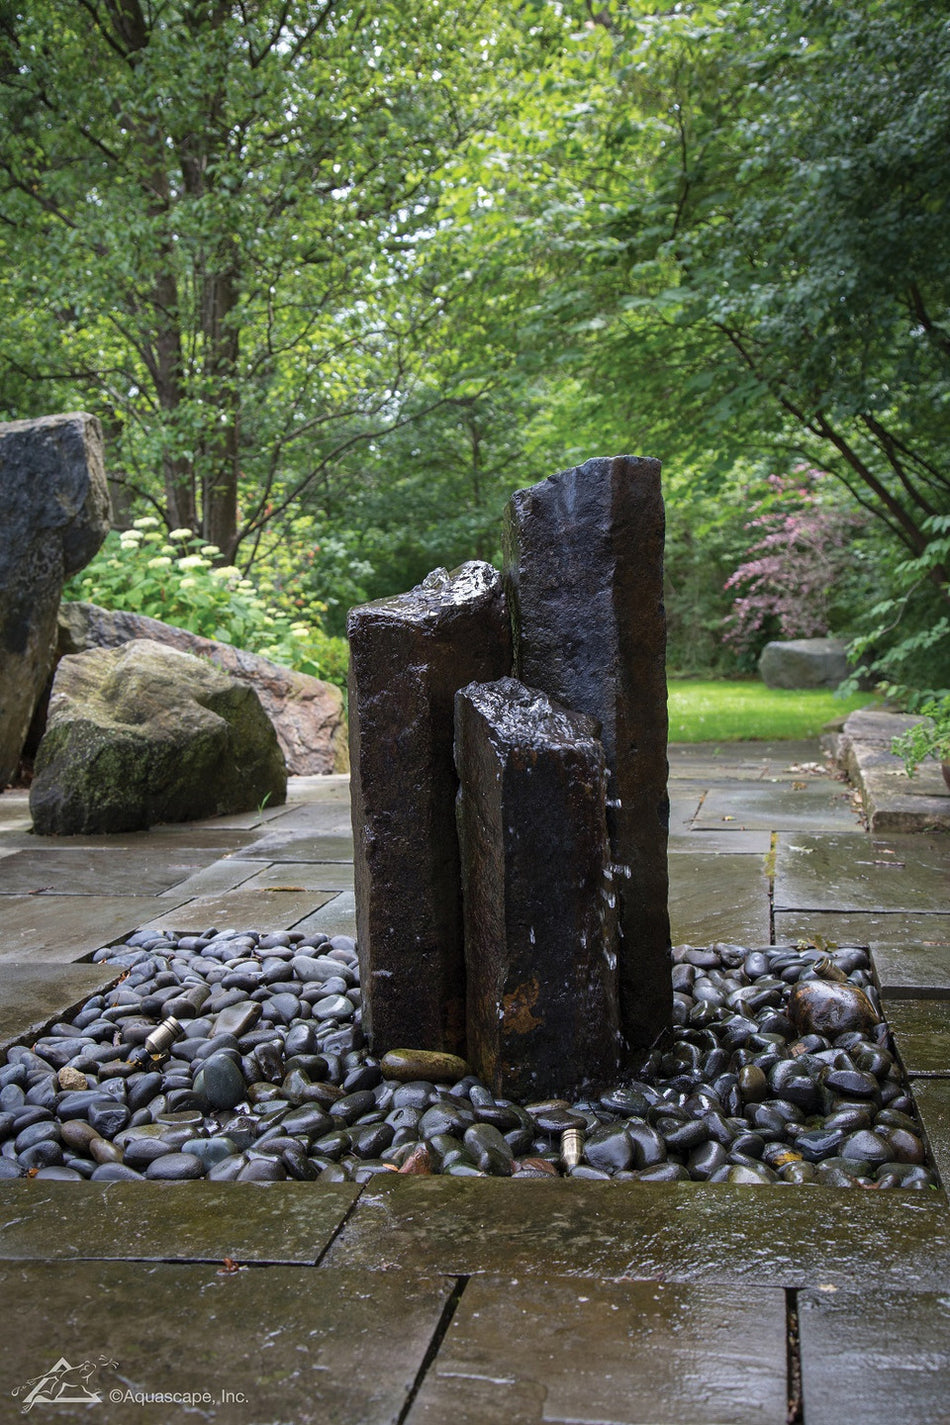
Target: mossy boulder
[143,734]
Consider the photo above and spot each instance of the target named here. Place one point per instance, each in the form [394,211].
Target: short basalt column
[543,1014]
[584,577]
[408,657]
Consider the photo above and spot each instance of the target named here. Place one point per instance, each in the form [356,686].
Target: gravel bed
[271,1079]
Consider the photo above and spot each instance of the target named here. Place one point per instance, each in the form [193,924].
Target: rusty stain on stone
[517,1007]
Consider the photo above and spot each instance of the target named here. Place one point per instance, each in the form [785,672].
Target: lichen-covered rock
[307,713]
[143,734]
[540,926]
[54,515]
[408,657]
[584,579]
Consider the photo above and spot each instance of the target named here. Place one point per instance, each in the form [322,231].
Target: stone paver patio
[451,1300]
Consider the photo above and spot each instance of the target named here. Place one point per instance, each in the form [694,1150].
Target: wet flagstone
[759,1236]
[683,808]
[875,1360]
[308,875]
[327,1350]
[717,843]
[214,879]
[741,761]
[915,970]
[52,927]
[261,909]
[718,898]
[195,1221]
[618,1353]
[932,1097]
[818,806]
[336,917]
[921,1028]
[299,846]
[861,927]
[843,873]
[33,994]
[140,870]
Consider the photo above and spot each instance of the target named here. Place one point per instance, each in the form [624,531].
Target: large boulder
[143,734]
[804,663]
[307,714]
[55,514]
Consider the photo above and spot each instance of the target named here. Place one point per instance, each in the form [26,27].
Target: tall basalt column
[543,1014]
[408,657]
[584,578]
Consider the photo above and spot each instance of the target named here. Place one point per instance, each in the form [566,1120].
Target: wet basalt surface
[779,1071]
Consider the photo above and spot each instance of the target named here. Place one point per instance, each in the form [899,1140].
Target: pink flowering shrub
[790,580]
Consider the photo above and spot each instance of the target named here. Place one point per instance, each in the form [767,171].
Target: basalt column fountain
[560,775]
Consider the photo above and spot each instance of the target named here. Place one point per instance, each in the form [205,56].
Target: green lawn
[747,711]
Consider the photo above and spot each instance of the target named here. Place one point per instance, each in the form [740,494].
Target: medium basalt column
[584,578]
[543,1014]
[408,657]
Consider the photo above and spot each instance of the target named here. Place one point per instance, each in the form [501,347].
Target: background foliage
[338,280]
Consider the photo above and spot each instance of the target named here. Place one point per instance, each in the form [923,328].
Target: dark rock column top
[540,928]
[55,514]
[584,578]
[408,657]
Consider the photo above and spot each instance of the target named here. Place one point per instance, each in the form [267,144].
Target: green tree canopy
[211,225]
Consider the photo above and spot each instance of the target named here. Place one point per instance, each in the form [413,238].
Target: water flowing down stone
[584,578]
[542,1006]
[55,503]
[408,658]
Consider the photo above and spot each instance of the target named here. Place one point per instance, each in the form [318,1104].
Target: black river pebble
[272,1080]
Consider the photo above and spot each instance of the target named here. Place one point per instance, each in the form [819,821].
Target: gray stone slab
[220,876]
[618,1353]
[818,806]
[33,994]
[264,909]
[718,898]
[844,873]
[62,928]
[892,802]
[307,875]
[874,1360]
[300,845]
[136,870]
[860,927]
[327,788]
[15,811]
[932,1097]
[315,819]
[915,969]
[286,1345]
[741,761]
[337,917]
[715,843]
[683,808]
[166,1222]
[921,1029]
[783,1236]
